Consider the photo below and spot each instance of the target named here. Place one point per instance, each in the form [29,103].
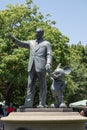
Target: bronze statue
[58,85]
[40,62]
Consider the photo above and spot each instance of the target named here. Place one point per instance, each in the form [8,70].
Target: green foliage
[79,72]
[22,21]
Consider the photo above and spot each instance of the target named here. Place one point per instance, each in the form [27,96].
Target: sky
[70,16]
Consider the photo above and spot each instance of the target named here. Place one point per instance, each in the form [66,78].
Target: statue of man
[40,62]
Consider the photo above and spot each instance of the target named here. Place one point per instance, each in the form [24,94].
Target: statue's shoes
[42,106]
[62,105]
[22,107]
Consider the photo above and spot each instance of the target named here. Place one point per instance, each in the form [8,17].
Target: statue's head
[39,33]
[58,73]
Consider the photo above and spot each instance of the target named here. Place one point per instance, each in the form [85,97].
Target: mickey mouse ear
[67,70]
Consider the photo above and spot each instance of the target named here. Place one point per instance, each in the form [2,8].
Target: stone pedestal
[44,120]
[45,110]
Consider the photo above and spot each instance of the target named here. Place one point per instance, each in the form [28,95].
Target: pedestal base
[44,121]
[45,110]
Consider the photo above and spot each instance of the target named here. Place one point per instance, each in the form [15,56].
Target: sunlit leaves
[22,21]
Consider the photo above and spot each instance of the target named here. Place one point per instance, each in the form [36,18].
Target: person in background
[4,107]
[1,115]
[10,109]
[84,111]
[1,111]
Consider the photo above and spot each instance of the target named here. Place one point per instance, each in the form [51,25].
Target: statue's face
[58,73]
[39,33]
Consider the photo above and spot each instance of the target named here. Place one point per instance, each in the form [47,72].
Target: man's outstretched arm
[18,42]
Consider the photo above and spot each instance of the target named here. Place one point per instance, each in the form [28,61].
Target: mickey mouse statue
[58,85]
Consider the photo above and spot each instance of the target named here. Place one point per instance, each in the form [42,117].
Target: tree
[79,70]
[22,21]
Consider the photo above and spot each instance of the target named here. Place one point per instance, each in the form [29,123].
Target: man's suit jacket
[40,54]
